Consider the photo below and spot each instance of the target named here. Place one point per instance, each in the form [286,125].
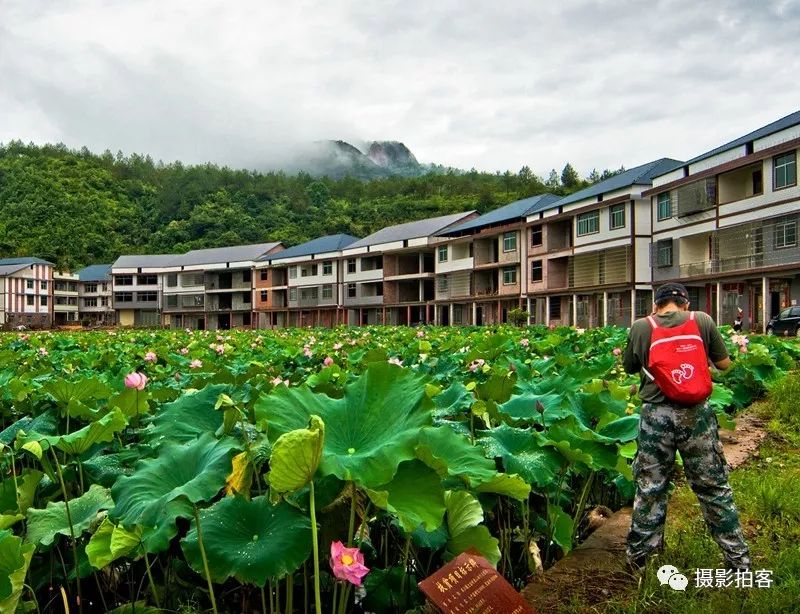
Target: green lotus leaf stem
[205,560]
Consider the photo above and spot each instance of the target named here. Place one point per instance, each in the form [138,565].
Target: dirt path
[596,569]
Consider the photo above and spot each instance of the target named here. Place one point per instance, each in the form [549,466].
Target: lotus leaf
[415,495]
[296,456]
[45,524]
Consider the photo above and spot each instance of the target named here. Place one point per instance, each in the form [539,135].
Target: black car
[787,322]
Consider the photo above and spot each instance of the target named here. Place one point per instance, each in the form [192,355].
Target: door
[774,304]
[224,321]
[444,315]
[478,316]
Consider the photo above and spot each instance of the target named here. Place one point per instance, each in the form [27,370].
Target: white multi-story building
[725,225]
[65,298]
[95,306]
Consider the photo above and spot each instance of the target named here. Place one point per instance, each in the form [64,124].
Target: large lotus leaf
[622,429]
[45,524]
[455,400]
[451,454]
[510,485]
[45,424]
[590,409]
[17,495]
[578,444]
[522,454]
[415,495]
[464,515]
[15,557]
[721,397]
[131,402]
[110,542]
[295,457]
[190,416]
[157,538]
[64,392]
[194,470]
[252,541]
[369,431]
[539,408]
[76,443]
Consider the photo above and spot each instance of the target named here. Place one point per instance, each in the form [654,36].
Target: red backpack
[678,362]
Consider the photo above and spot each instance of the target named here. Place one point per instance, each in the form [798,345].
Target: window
[379,289]
[29,284]
[351,265]
[536,236]
[555,308]
[124,280]
[246,319]
[644,303]
[442,284]
[327,268]
[292,272]
[785,171]
[105,287]
[147,280]
[510,242]
[536,270]
[91,288]
[327,291]
[171,300]
[43,285]
[664,207]
[588,223]
[509,276]
[264,296]
[30,300]
[172,280]
[246,298]
[786,234]
[264,274]
[292,294]
[308,271]
[90,302]
[442,253]
[351,290]
[103,301]
[458,314]
[123,297]
[147,297]
[247,276]
[664,253]
[616,217]
[758,182]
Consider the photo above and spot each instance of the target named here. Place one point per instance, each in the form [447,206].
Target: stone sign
[470,585]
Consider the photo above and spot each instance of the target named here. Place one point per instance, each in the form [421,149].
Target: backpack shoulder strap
[652,321]
[691,315]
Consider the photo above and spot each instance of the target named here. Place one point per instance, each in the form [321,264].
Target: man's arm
[630,360]
[717,352]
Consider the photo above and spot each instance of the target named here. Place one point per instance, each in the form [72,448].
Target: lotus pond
[299,470]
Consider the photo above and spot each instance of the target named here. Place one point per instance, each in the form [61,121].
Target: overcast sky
[490,85]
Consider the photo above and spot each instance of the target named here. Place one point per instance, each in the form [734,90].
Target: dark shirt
[637,352]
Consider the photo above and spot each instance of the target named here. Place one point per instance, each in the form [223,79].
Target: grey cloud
[494,86]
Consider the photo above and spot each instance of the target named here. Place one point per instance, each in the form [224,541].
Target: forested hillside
[75,207]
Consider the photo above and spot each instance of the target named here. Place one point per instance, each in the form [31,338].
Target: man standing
[669,424]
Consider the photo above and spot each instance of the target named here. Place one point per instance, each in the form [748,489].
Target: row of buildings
[723,223]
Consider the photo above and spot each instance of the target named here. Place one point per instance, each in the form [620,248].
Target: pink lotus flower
[42,352]
[220,349]
[25,337]
[196,364]
[307,352]
[395,361]
[476,364]
[347,563]
[150,357]
[617,351]
[277,381]
[184,351]
[136,380]
[524,343]
[337,346]
[420,333]
[328,361]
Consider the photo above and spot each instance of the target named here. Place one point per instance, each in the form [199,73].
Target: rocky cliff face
[391,154]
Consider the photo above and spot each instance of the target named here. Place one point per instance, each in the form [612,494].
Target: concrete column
[764,296]
[452,310]
[605,308]
[474,314]
[546,310]
[575,310]
[528,309]
[718,314]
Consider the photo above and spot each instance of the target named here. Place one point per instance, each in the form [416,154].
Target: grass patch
[767,494]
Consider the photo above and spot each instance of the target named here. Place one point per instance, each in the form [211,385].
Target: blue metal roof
[23,260]
[512,211]
[427,227]
[639,175]
[95,272]
[782,124]
[321,245]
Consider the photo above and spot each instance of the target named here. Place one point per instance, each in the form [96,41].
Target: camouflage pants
[663,429]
